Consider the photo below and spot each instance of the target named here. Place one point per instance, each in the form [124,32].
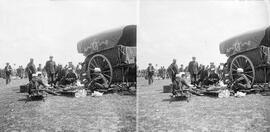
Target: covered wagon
[251,52]
[114,52]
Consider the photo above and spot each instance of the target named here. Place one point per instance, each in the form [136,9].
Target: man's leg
[6,79]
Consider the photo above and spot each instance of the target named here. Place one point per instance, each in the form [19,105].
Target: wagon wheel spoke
[94,60]
[92,65]
[234,65]
[237,64]
[107,76]
[91,69]
[249,76]
[248,72]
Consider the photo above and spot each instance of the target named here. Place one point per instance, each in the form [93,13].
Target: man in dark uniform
[173,70]
[70,78]
[8,71]
[193,70]
[60,74]
[30,69]
[150,73]
[50,68]
[212,79]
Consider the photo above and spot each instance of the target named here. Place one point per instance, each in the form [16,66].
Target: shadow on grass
[176,99]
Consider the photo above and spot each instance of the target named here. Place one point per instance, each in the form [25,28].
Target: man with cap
[31,69]
[99,81]
[71,77]
[173,70]
[150,73]
[179,83]
[212,79]
[60,74]
[8,71]
[50,68]
[193,69]
[242,82]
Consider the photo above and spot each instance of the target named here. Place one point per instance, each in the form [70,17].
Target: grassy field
[202,114]
[111,112]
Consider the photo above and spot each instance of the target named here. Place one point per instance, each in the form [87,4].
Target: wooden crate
[24,88]
[167,88]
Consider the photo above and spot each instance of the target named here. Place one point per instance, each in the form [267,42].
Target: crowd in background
[197,73]
[52,71]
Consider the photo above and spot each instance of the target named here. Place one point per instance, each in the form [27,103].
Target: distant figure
[181,69]
[193,69]
[31,69]
[50,68]
[242,82]
[173,70]
[99,81]
[150,73]
[8,71]
[39,69]
[70,65]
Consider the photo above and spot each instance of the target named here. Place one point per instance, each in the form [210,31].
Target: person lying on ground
[242,82]
[99,81]
[70,78]
[212,79]
[179,84]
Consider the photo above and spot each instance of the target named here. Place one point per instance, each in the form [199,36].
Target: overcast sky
[173,29]
[40,28]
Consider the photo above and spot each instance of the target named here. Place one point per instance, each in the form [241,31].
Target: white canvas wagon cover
[125,36]
[245,42]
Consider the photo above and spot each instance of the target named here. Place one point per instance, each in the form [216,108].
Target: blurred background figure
[150,73]
[30,69]
[8,71]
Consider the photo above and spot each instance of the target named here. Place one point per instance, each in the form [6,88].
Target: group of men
[55,73]
[200,76]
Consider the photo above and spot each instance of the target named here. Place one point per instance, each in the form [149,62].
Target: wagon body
[114,52]
[250,51]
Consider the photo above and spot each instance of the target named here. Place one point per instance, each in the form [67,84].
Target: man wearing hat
[173,70]
[242,82]
[31,69]
[8,71]
[179,83]
[71,77]
[50,68]
[212,79]
[150,73]
[193,69]
[99,81]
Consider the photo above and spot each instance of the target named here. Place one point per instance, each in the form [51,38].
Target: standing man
[50,68]
[150,73]
[193,69]
[8,71]
[30,69]
[173,70]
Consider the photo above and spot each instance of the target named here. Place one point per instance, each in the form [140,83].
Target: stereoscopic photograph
[203,66]
[134,66]
[68,65]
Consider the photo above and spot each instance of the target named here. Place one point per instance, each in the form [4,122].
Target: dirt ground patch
[111,112]
[202,113]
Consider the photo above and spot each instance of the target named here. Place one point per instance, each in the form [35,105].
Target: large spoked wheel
[100,61]
[245,63]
